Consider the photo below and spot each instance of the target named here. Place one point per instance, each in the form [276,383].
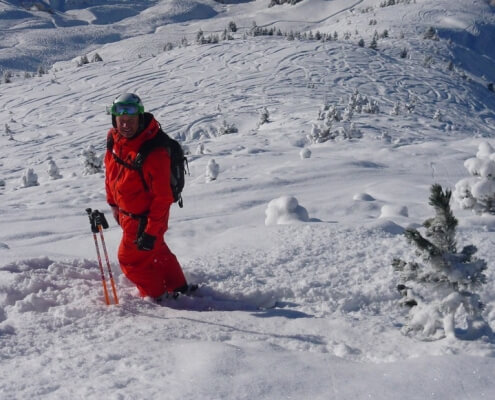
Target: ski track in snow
[283,311]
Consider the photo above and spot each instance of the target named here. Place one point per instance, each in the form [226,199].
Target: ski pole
[101,223]
[94,229]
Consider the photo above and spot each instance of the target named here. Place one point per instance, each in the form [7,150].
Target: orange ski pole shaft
[94,229]
[114,289]
[103,281]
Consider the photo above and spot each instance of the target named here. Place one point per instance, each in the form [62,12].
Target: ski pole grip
[100,219]
[92,221]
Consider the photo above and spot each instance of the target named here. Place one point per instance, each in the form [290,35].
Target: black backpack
[178,162]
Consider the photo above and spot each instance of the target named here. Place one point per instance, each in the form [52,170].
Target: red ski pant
[154,272]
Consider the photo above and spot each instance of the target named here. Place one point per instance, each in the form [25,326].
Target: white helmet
[128,99]
[127,103]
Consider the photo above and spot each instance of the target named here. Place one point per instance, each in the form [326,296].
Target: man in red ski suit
[142,212]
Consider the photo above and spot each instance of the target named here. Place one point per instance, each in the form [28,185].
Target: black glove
[145,242]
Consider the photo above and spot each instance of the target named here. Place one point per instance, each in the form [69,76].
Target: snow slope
[306,310]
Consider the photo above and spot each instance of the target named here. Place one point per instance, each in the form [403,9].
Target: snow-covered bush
[373,44]
[96,58]
[264,116]
[440,286]
[357,101]
[395,109]
[410,105]
[200,37]
[320,134]
[305,153]
[92,163]
[322,112]
[82,61]
[40,71]
[200,149]
[371,107]
[212,170]
[333,114]
[227,128]
[438,115]
[29,178]
[280,2]
[478,191]
[7,77]
[232,27]
[350,131]
[53,171]
[285,210]
[374,41]
[226,35]
[431,33]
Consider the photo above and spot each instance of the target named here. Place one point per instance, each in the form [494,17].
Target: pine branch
[423,244]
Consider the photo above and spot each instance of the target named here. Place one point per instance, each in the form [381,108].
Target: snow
[285,210]
[299,310]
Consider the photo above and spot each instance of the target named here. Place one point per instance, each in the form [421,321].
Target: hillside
[306,310]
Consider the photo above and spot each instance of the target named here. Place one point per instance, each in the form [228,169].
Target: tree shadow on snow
[475,334]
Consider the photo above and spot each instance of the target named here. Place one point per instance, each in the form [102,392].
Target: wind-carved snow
[293,310]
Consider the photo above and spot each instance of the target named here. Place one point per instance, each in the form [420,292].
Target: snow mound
[389,211]
[363,197]
[285,210]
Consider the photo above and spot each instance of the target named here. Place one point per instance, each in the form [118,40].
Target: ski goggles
[119,109]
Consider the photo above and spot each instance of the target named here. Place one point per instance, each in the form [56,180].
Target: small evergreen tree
[227,128]
[374,41]
[96,58]
[212,171]
[7,77]
[40,71]
[53,171]
[395,109]
[441,285]
[232,27]
[82,61]
[430,33]
[321,133]
[29,178]
[200,37]
[255,29]
[264,116]
[92,163]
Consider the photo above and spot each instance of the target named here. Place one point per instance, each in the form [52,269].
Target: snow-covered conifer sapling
[439,287]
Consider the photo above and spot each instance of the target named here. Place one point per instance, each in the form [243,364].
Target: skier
[142,212]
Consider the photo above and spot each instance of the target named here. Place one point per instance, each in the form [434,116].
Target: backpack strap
[136,165]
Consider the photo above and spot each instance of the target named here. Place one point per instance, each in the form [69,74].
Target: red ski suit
[157,271]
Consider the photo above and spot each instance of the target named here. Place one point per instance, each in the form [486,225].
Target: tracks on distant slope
[317,21]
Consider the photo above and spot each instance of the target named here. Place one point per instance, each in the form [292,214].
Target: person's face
[127,125]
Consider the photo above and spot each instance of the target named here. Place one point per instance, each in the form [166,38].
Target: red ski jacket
[124,186]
